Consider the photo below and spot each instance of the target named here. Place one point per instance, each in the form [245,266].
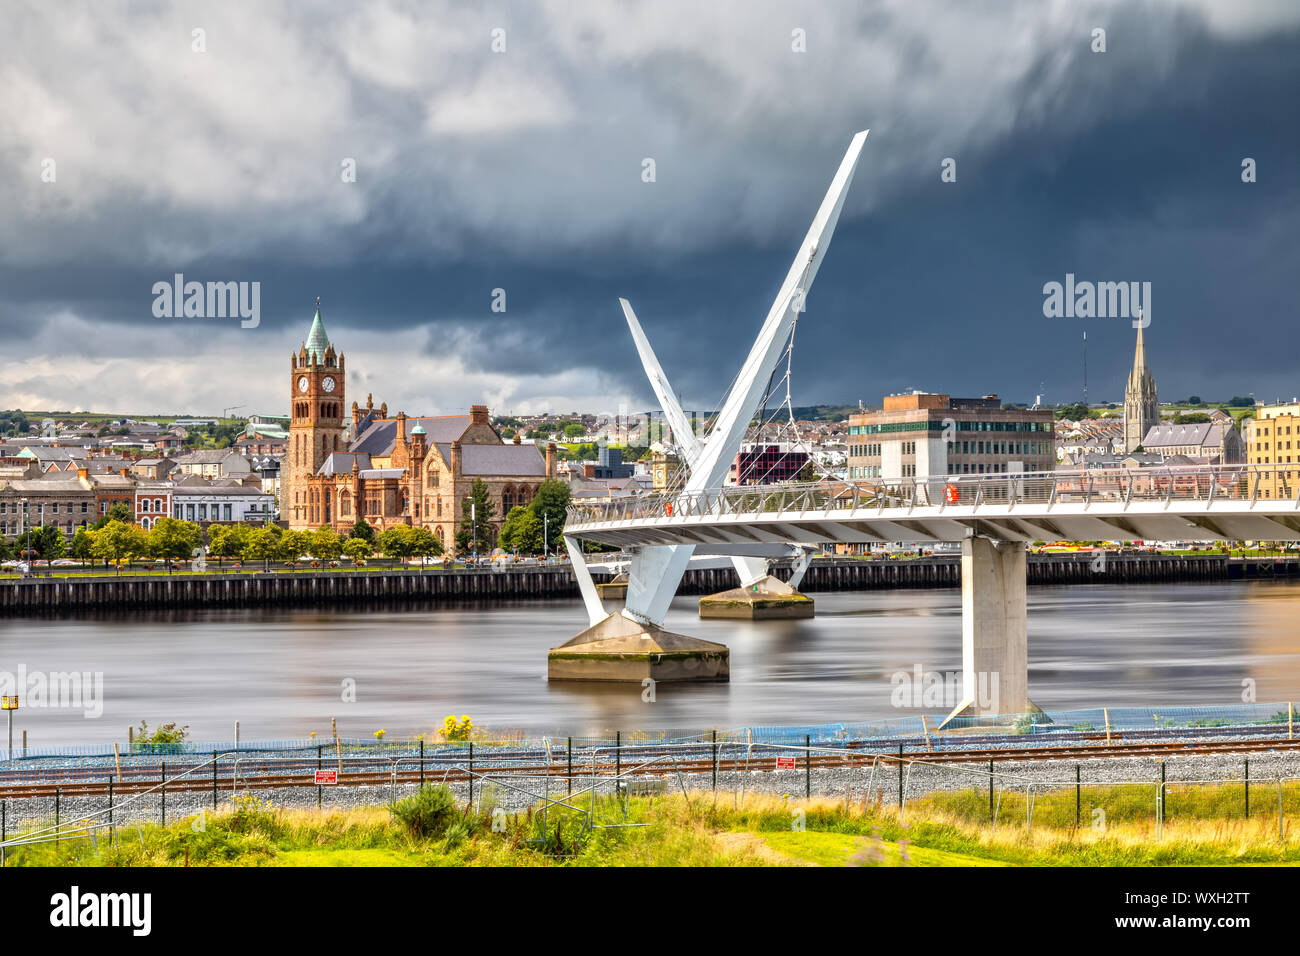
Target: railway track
[299,772]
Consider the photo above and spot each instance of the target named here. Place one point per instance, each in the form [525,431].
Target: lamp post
[546,534]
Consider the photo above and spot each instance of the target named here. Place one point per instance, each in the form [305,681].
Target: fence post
[471,771]
[214,780]
[1164,811]
[807,765]
[56,816]
[569,754]
[1077,800]
[618,753]
[320,750]
[715,761]
[1247,788]
[164,793]
[990,790]
[4,831]
[421,761]
[900,777]
[111,831]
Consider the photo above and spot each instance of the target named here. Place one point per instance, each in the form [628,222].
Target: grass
[1206,826]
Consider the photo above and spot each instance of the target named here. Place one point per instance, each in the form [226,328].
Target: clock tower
[316,386]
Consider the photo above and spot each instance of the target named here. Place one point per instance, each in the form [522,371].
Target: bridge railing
[1169,483]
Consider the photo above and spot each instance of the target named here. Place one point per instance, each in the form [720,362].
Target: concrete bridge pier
[994,636]
[761,596]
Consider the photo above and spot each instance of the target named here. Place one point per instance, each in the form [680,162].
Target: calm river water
[281,673]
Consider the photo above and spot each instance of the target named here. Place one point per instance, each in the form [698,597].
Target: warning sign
[327,778]
[785,763]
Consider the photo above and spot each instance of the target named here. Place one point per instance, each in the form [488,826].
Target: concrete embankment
[44,594]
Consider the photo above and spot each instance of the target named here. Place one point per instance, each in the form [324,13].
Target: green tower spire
[317,340]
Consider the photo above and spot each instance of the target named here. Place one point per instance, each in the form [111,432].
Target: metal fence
[227,761]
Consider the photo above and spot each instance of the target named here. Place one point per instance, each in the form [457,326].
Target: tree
[227,540]
[82,548]
[1191,418]
[393,542]
[325,544]
[118,540]
[174,540]
[522,531]
[263,545]
[363,531]
[292,546]
[475,532]
[48,542]
[550,504]
[423,543]
[357,549]
[117,511]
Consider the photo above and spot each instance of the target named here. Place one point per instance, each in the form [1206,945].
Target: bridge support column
[994,636]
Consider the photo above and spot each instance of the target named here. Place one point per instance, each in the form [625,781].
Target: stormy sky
[142,140]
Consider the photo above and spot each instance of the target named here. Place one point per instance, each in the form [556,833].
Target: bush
[453,729]
[427,812]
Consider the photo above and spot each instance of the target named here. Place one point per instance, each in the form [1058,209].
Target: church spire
[1141,407]
[317,341]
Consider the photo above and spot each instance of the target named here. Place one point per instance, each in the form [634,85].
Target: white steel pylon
[750,570]
[656,571]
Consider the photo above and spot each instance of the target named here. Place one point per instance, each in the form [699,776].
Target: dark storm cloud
[521,172]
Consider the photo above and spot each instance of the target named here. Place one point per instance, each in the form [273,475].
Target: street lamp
[546,534]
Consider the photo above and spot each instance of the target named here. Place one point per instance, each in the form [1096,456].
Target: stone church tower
[1141,410]
[316,399]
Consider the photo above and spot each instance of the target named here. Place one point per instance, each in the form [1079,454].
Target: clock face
[327,384]
[302,384]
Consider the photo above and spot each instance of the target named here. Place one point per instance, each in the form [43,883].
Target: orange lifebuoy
[951,494]
[668,509]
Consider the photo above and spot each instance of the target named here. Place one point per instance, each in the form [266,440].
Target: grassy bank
[950,829]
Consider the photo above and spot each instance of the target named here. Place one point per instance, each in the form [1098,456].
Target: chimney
[550,459]
[83,474]
[455,460]
[401,427]
[478,415]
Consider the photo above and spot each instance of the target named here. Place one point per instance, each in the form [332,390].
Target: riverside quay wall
[250,589]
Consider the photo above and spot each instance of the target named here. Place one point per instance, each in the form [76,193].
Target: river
[285,673]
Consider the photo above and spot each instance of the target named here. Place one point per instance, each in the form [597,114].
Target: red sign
[785,763]
[327,777]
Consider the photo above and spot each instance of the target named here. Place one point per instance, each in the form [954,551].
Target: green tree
[325,544]
[521,532]
[118,541]
[394,542]
[357,549]
[263,545]
[423,544]
[227,540]
[550,504]
[48,542]
[174,540]
[477,510]
[293,545]
[82,547]
[363,530]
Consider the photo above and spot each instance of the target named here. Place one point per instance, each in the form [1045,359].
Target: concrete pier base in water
[766,599]
[613,590]
[618,648]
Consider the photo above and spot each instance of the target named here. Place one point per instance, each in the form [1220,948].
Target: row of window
[965,448]
[948,424]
